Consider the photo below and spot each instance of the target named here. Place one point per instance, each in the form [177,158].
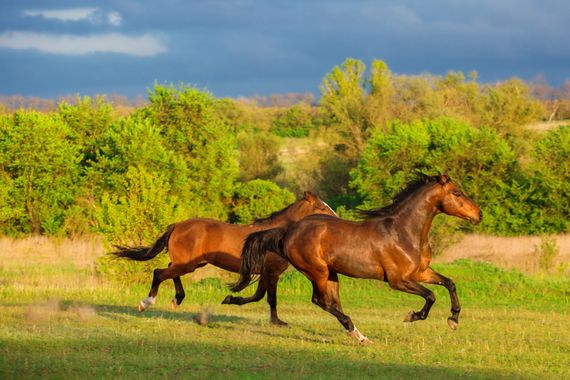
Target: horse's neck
[277,221]
[418,214]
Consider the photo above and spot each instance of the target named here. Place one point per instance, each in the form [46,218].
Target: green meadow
[59,319]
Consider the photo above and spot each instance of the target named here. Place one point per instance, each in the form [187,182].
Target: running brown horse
[391,244]
[195,243]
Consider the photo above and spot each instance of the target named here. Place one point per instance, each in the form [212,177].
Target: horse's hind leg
[272,280]
[179,296]
[258,295]
[412,287]
[267,283]
[160,275]
[325,295]
[179,289]
[432,277]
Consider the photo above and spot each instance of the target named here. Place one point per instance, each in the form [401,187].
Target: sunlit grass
[59,320]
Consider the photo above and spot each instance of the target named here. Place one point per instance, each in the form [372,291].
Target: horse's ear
[443,179]
[310,197]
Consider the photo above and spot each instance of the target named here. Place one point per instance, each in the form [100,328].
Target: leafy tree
[509,106]
[551,181]
[380,98]
[136,218]
[258,155]
[343,96]
[478,159]
[296,121]
[257,199]
[193,129]
[88,120]
[39,167]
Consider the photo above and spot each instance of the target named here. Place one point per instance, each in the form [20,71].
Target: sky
[255,48]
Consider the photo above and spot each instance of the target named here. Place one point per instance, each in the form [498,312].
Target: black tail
[253,254]
[144,253]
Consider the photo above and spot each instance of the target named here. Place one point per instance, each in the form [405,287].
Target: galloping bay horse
[391,244]
[195,243]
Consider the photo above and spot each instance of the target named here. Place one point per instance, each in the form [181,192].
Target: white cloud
[74,14]
[145,45]
[114,18]
[92,15]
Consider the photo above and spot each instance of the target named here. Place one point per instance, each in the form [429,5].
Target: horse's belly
[357,268]
[224,260]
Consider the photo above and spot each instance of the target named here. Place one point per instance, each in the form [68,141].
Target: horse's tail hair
[253,254]
[144,253]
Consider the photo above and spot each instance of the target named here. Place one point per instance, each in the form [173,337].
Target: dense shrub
[257,199]
[39,172]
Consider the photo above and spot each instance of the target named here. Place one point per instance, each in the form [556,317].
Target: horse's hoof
[278,322]
[141,307]
[453,324]
[227,300]
[174,304]
[409,317]
[366,341]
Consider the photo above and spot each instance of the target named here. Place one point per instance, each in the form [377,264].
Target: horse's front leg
[430,276]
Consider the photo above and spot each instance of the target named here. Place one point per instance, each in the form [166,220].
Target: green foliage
[373,129]
[549,181]
[296,121]
[343,96]
[39,172]
[136,218]
[258,155]
[194,130]
[258,199]
[508,106]
[478,159]
[89,119]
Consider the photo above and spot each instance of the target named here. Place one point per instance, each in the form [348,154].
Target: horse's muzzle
[477,220]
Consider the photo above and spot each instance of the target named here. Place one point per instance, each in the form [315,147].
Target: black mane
[272,216]
[419,181]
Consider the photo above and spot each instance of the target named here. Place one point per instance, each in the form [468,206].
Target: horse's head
[454,202]
[311,204]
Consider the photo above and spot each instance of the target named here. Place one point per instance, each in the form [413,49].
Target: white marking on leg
[358,335]
[147,302]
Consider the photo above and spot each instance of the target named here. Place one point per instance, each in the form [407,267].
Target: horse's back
[208,240]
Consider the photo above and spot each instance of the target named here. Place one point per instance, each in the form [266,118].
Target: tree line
[89,167]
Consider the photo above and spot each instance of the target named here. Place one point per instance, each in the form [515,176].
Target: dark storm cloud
[258,47]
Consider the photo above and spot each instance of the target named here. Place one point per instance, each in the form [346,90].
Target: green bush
[137,218]
[480,161]
[296,121]
[39,172]
[258,199]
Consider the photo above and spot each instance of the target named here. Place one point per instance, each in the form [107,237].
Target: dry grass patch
[518,252]
[41,250]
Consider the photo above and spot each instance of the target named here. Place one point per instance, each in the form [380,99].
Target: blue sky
[248,47]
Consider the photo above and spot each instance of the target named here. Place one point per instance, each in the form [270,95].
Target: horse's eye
[456,193]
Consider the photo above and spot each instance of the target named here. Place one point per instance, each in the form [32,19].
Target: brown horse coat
[197,242]
[392,245]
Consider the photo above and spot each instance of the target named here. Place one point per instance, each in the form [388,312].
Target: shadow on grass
[113,310]
[109,357]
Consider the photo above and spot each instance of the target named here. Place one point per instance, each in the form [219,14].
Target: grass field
[59,320]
